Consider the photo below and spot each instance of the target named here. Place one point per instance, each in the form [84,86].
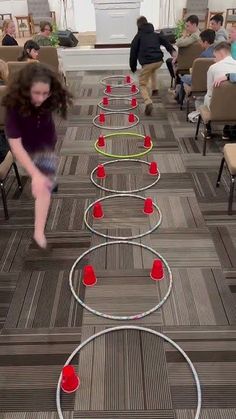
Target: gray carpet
[124,374]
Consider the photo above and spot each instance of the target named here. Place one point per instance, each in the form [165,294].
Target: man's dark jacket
[146,47]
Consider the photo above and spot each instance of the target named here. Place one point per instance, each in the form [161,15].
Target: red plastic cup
[101,174]
[102,118]
[97,210]
[108,89]
[101,141]
[89,277]
[70,382]
[128,79]
[133,102]
[147,142]
[131,118]
[153,170]
[133,88]
[105,101]
[148,206]
[157,272]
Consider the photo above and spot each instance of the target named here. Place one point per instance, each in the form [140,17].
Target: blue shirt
[208,53]
[232,77]
[233,50]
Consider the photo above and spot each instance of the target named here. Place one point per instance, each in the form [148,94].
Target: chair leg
[231,195]
[4,200]
[17,176]
[187,108]
[220,172]
[198,126]
[204,146]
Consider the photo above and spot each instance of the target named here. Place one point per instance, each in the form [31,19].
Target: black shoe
[148,109]
[155,92]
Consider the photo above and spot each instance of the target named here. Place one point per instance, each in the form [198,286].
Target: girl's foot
[40,241]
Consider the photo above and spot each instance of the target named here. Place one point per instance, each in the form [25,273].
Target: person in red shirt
[32,97]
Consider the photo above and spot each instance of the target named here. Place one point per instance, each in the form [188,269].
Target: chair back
[222,105]
[2,109]
[10,53]
[15,66]
[199,74]
[39,9]
[48,55]
[186,56]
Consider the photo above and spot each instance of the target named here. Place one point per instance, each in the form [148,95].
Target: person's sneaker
[148,109]
[225,136]
[155,92]
[193,116]
[172,91]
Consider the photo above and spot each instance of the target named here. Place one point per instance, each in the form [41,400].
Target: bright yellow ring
[118,156]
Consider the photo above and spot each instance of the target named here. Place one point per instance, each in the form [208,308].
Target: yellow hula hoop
[119,156]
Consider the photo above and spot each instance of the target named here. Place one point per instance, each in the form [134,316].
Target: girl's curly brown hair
[18,91]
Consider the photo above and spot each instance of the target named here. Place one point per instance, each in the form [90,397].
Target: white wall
[82,18]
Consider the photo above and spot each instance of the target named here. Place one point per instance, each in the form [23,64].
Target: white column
[116,20]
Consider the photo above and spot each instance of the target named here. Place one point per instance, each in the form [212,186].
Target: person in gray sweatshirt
[216,23]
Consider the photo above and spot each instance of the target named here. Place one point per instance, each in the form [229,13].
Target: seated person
[43,37]
[30,51]
[189,37]
[225,64]
[3,73]
[216,23]
[232,40]
[207,39]
[9,31]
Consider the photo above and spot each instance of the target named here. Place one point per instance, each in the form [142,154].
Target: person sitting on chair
[189,37]
[224,64]
[232,40]
[216,23]
[43,37]
[30,51]
[207,39]
[3,73]
[9,31]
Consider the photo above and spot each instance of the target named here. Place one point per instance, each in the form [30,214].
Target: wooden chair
[199,80]
[186,57]
[10,53]
[199,8]
[15,66]
[39,11]
[222,109]
[230,16]
[8,163]
[49,56]
[229,159]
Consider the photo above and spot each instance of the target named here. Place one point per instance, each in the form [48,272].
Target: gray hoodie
[221,35]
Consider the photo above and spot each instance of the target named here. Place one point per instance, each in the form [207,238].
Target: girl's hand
[40,185]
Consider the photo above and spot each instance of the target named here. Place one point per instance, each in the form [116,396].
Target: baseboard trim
[100,46]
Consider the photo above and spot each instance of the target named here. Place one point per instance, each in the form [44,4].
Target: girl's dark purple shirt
[37,131]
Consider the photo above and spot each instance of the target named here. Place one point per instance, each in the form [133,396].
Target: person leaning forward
[146,48]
